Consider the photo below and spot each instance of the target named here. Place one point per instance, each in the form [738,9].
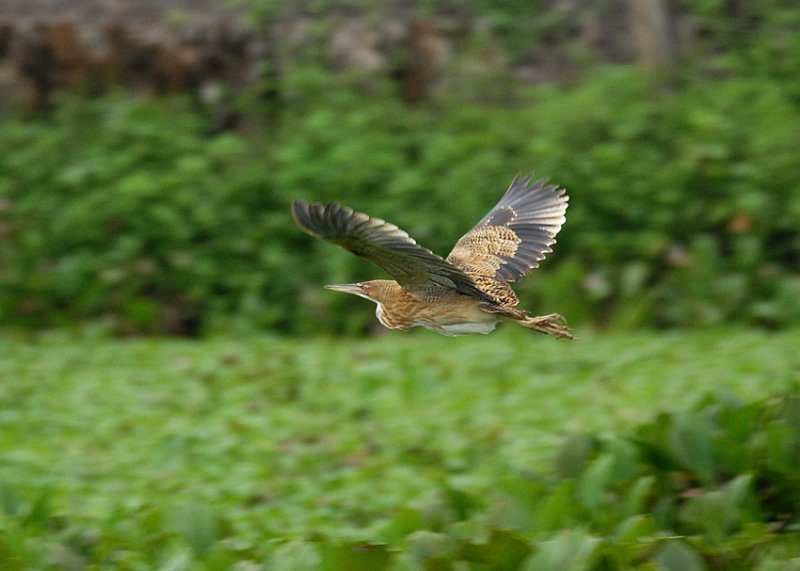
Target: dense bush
[685,202]
[126,211]
[713,488]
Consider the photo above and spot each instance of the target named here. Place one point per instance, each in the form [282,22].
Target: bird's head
[373,290]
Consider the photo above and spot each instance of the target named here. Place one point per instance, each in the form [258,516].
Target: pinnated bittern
[468,292]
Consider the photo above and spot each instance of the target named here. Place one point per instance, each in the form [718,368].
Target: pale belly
[470,320]
[464,328]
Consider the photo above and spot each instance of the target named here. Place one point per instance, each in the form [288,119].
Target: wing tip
[310,216]
[300,209]
[526,182]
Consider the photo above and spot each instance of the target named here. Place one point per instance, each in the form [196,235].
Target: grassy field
[177,454]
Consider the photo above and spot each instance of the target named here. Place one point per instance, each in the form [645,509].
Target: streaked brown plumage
[468,292]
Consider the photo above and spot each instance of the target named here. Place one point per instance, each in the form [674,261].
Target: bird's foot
[553,325]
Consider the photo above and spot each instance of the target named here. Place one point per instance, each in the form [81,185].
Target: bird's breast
[394,320]
[459,315]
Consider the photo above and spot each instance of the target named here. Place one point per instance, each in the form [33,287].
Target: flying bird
[467,292]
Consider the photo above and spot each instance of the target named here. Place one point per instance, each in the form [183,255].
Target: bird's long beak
[355,289]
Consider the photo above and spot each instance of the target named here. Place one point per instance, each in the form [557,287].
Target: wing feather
[513,237]
[415,268]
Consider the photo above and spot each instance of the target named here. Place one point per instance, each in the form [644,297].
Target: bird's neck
[396,308]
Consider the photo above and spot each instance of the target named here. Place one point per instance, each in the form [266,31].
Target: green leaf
[783,437]
[640,494]
[504,550]
[432,550]
[720,512]
[403,522]
[676,555]
[690,440]
[8,499]
[558,509]
[41,510]
[631,541]
[197,524]
[295,555]
[573,455]
[635,529]
[567,551]
[592,486]
[355,556]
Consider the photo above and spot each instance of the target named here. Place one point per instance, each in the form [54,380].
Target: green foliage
[125,213]
[404,453]
[685,204]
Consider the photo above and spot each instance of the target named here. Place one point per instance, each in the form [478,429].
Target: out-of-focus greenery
[372,454]
[685,201]
[685,205]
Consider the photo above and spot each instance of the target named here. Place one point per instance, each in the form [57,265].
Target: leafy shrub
[684,203]
[713,488]
[128,211]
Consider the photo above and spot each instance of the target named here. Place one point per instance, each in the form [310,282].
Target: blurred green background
[146,214]
[177,391]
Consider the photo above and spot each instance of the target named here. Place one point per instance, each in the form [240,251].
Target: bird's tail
[553,325]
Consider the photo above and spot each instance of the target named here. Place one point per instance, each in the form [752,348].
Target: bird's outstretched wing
[513,237]
[418,270]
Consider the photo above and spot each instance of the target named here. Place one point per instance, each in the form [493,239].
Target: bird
[467,292]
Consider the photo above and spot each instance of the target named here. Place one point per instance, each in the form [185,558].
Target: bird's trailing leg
[553,325]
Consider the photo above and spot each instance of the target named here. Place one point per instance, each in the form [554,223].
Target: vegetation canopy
[404,453]
[135,216]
